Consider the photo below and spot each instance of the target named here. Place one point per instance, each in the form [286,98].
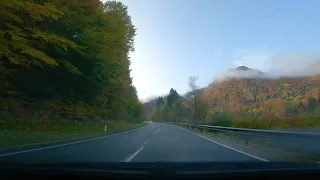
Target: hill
[239,73]
[233,93]
[245,98]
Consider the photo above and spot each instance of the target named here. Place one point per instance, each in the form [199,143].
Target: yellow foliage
[39,55]
[282,124]
[13,17]
[80,110]
[52,39]
[38,12]
[73,69]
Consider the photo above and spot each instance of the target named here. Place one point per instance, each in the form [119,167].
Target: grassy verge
[27,131]
[272,149]
[307,124]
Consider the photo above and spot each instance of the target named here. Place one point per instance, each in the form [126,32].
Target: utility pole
[193,87]
[195,107]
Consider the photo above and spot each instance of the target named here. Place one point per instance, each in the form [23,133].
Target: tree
[221,119]
[180,112]
[159,101]
[193,86]
[154,115]
[209,115]
[311,105]
[202,109]
[172,97]
[164,112]
[68,58]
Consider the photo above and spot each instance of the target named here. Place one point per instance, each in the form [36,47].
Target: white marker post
[105,128]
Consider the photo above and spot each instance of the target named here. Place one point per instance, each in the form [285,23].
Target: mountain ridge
[261,102]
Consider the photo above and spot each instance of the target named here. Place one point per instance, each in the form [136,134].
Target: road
[152,143]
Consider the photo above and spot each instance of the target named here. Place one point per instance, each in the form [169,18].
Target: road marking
[128,159]
[253,156]
[66,144]
[157,130]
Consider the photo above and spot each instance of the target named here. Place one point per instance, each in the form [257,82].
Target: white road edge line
[253,156]
[66,144]
[128,159]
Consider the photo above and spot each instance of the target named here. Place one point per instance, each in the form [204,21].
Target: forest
[70,60]
[66,60]
[246,103]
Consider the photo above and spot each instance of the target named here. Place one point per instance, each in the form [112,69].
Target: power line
[275,12]
[300,23]
[280,7]
[294,27]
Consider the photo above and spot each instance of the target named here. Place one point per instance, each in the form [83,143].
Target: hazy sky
[181,38]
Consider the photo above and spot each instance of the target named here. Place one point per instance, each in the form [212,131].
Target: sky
[181,38]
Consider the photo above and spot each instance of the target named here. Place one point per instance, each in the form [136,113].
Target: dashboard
[219,170]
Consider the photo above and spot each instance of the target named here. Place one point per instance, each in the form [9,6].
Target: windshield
[87,81]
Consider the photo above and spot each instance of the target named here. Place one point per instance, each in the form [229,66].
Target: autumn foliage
[252,103]
[68,59]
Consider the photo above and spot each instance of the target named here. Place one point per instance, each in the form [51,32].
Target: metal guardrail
[275,134]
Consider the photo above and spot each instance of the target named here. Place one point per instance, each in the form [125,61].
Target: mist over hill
[245,72]
[245,97]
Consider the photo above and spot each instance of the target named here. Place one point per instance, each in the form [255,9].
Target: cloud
[293,65]
[274,65]
[238,74]
[256,59]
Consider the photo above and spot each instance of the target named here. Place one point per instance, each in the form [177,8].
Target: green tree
[69,58]
[172,97]
[311,105]
[164,112]
[159,101]
[179,112]
[155,113]
[202,109]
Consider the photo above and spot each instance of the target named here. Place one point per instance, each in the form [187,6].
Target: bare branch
[192,83]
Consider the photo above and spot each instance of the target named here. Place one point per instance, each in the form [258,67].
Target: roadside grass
[14,131]
[306,124]
[278,150]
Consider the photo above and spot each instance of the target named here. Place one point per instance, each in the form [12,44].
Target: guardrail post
[201,129]
[214,132]
[246,140]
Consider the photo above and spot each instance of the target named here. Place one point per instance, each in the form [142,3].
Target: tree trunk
[195,107]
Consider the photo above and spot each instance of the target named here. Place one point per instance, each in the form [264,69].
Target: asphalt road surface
[152,143]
